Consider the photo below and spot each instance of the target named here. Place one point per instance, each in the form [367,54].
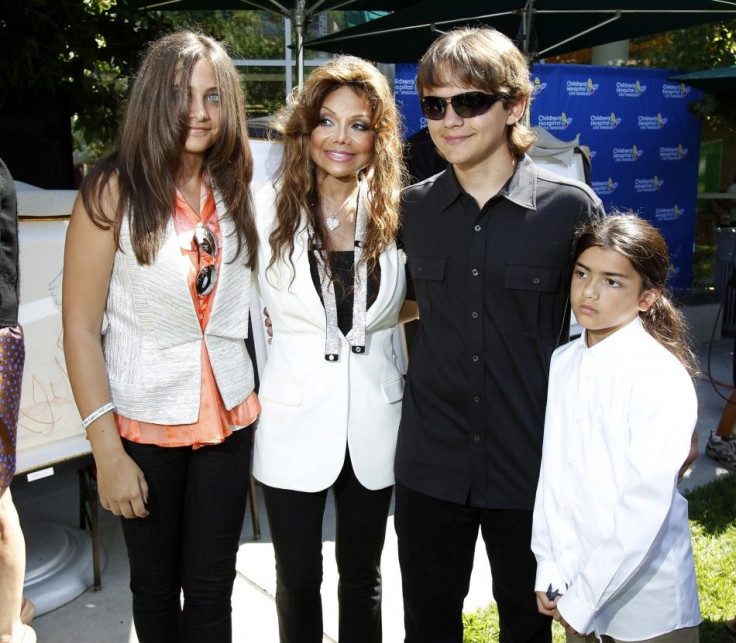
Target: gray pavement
[105,616]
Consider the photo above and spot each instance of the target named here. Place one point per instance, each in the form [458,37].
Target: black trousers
[436,546]
[189,542]
[295,521]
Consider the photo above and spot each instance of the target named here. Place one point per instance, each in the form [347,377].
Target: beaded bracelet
[95,414]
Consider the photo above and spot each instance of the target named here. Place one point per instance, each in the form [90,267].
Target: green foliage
[246,35]
[481,626]
[713,527]
[85,49]
[693,49]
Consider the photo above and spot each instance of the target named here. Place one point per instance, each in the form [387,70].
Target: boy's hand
[545,605]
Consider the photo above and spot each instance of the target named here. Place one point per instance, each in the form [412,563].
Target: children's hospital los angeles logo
[627,154]
[668,214]
[581,87]
[630,90]
[604,187]
[552,122]
[648,185]
[538,86]
[604,121]
[651,122]
[673,153]
[675,90]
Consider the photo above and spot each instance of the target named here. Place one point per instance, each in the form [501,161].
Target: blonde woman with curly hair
[334,283]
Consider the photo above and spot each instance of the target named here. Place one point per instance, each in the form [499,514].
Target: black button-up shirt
[492,287]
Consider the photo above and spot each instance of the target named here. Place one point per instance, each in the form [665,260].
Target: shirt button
[536,280]
[476,438]
[475,358]
[476,399]
[475,272]
[474,315]
[477,228]
[421,268]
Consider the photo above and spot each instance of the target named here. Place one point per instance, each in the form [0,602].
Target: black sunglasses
[466,105]
[206,243]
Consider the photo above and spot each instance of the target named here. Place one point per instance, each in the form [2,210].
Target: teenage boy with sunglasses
[489,251]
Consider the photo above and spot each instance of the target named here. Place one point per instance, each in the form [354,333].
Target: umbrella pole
[525,28]
[299,22]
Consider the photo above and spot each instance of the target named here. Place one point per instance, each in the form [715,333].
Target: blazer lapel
[287,282]
[303,285]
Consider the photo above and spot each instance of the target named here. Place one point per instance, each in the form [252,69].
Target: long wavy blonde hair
[296,175]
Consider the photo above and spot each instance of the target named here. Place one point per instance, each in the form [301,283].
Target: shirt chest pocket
[430,287]
[531,291]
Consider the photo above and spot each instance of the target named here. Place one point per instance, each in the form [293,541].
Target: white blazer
[312,408]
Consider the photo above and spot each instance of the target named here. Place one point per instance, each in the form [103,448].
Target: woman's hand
[122,486]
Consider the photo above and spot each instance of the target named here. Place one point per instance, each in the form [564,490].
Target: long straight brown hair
[153,134]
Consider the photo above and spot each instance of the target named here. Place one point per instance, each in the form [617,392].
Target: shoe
[27,611]
[723,452]
[24,634]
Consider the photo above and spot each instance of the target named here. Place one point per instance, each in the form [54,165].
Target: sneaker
[723,452]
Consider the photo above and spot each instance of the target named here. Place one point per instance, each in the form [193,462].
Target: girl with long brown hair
[333,282]
[161,244]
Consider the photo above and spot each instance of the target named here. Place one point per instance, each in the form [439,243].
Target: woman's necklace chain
[331,220]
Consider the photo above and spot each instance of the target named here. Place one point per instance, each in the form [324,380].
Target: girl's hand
[122,486]
[268,325]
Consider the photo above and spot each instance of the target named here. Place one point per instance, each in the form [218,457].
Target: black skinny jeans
[295,521]
[189,541]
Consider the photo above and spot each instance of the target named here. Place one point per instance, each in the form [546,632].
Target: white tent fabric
[557,155]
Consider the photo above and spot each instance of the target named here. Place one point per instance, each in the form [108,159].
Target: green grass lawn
[713,527]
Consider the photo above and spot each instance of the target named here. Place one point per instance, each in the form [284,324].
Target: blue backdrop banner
[643,142]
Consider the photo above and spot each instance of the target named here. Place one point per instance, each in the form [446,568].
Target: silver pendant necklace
[331,220]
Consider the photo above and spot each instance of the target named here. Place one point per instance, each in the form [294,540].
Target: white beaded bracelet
[95,414]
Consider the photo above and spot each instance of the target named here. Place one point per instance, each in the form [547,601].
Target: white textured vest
[153,340]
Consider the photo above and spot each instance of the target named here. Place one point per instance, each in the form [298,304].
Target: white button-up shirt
[610,528]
